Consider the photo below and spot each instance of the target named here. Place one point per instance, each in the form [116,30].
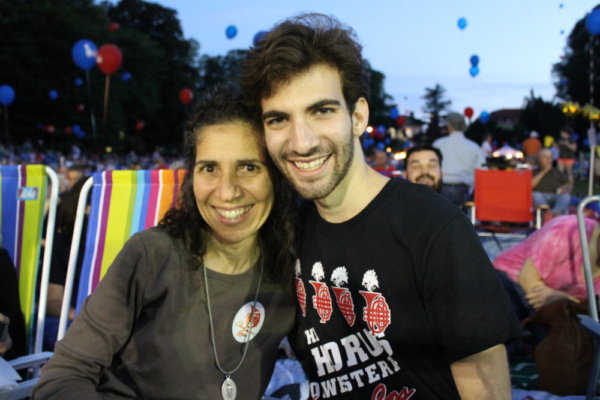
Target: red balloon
[468,112]
[186,95]
[401,120]
[114,26]
[109,58]
[80,107]
[68,130]
[50,128]
[139,125]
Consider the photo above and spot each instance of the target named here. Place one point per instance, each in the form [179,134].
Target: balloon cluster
[474,60]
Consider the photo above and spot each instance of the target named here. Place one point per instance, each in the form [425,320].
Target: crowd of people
[284,229]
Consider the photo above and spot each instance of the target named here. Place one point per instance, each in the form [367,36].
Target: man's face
[72,177]
[310,132]
[424,167]
[545,159]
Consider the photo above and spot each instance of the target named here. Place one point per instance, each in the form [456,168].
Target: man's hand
[5,340]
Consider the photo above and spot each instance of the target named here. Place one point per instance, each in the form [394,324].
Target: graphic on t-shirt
[245,320]
[377,312]
[322,299]
[300,290]
[339,276]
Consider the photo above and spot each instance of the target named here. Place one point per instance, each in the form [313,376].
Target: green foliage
[544,117]
[435,105]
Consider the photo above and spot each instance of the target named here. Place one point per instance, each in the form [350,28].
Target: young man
[423,164]
[396,293]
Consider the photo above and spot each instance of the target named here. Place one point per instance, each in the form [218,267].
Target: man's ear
[360,117]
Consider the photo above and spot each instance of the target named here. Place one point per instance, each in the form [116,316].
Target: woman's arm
[536,291]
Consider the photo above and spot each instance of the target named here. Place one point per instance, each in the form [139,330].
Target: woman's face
[232,186]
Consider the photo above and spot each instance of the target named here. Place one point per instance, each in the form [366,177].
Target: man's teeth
[232,215]
[310,166]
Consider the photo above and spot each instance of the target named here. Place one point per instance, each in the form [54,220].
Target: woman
[195,308]
[567,147]
[548,265]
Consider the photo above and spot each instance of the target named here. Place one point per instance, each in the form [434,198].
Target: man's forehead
[424,155]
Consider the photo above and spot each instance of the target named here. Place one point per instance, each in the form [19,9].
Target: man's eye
[275,121]
[324,111]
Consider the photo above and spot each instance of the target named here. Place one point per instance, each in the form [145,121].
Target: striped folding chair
[122,203]
[22,207]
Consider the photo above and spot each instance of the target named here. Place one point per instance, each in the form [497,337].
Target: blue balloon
[80,134]
[260,35]
[394,113]
[7,95]
[592,21]
[381,129]
[231,31]
[575,137]
[474,71]
[462,23]
[484,117]
[84,54]
[380,146]
[586,142]
[474,60]
[78,82]
[53,94]
[125,76]
[76,129]
[387,140]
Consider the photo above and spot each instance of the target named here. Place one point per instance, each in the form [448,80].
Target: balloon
[109,58]
[462,23]
[231,31]
[53,94]
[394,113]
[76,129]
[80,107]
[50,128]
[185,96]
[68,130]
[381,129]
[474,60]
[114,26]
[474,71]
[7,95]
[125,76]
[78,82]
[592,21]
[401,120]
[380,146]
[80,134]
[139,125]
[84,54]
[260,35]
[484,117]
[468,112]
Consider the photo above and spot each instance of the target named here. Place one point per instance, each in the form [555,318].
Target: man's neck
[360,186]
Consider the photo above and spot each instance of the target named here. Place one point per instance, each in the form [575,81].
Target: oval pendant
[228,389]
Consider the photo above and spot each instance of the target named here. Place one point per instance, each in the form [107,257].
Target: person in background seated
[462,156]
[13,341]
[550,187]
[423,164]
[487,147]
[548,265]
[382,162]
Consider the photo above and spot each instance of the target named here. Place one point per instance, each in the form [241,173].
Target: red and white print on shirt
[245,321]
[377,312]
[339,277]
[322,298]
[300,290]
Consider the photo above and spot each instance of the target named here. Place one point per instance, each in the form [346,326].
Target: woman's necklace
[228,388]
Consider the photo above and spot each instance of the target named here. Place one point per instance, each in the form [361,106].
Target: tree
[435,105]
[542,116]
[380,103]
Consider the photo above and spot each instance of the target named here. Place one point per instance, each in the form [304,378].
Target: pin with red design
[377,312]
[300,290]
[342,294]
[322,299]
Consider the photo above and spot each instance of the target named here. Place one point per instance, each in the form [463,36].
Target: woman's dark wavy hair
[294,46]
[224,105]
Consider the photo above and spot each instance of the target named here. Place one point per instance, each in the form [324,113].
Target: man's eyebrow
[274,114]
[323,103]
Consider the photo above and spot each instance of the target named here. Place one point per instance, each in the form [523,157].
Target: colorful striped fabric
[21,217]
[123,203]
